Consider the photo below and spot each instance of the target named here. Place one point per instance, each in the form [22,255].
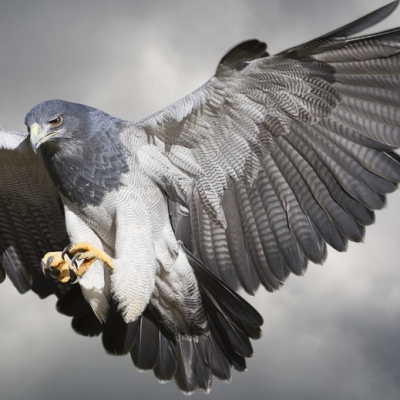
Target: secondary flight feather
[145,230]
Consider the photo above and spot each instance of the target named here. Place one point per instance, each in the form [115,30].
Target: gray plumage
[93,167]
[238,184]
[31,215]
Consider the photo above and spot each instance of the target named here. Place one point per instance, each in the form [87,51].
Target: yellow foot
[86,253]
[58,266]
[64,266]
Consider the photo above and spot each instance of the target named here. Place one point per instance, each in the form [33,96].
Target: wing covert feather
[293,151]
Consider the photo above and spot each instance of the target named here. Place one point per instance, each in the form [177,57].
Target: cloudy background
[331,335]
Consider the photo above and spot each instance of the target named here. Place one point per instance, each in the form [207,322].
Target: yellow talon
[58,266]
[88,253]
[61,267]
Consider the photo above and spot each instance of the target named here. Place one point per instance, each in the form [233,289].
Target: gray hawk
[145,230]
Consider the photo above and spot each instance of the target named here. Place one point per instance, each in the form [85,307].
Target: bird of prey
[146,230]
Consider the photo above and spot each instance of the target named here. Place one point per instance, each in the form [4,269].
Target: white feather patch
[96,288]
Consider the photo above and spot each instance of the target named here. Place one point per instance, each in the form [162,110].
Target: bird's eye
[56,121]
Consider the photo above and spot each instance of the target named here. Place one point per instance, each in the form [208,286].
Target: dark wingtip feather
[232,320]
[217,287]
[362,23]
[345,31]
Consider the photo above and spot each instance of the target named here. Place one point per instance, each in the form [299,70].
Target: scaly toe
[86,252]
[57,266]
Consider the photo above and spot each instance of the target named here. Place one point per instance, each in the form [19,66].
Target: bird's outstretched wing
[287,152]
[31,215]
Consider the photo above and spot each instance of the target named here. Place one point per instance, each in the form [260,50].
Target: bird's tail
[232,322]
[191,360]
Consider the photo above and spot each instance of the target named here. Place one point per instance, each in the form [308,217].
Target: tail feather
[118,336]
[166,366]
[230,302]
[145,348]
[191,361]
[73,304]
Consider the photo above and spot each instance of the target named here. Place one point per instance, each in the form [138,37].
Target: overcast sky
[333,334]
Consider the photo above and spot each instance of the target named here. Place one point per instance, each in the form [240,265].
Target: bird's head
[53,120]
[75,142]
[56,121]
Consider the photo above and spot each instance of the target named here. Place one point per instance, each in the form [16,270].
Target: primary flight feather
[145,230]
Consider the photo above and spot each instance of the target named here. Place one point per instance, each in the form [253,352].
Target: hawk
[146,230]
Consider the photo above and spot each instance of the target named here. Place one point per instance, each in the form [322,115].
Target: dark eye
[56,122]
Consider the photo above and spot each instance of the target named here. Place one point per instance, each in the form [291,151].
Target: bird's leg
[59,265]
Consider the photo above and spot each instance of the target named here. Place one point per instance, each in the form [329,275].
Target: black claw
[47,273]
[49,261]
[75,259]
[46,267]
[54,273]
[66,251]
[73,278]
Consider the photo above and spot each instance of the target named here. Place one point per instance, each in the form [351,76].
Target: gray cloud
[330,335]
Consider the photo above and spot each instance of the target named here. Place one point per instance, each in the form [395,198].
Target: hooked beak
[38,136]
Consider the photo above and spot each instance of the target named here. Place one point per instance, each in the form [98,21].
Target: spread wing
[286,152]
[31,215]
